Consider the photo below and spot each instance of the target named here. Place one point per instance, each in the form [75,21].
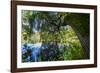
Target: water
[32,52]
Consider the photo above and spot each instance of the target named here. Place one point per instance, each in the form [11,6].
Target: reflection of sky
[37,45]
[35,51]
[35,30]
[37,24]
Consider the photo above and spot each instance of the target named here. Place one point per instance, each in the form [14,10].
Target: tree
[52,28]
[80,24]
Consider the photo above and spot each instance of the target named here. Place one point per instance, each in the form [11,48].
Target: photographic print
[52,36]
[49,36]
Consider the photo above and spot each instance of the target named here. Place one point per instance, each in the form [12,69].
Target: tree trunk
[84,42]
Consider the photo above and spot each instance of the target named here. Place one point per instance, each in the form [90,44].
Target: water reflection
[31,51]
[41,52]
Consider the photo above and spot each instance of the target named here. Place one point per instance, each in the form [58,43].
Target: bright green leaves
[74,50]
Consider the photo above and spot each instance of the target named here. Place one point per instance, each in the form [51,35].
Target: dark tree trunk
[84,42]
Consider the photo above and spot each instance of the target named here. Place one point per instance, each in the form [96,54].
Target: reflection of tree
[52,29]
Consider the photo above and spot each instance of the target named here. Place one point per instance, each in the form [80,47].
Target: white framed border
[53,63]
